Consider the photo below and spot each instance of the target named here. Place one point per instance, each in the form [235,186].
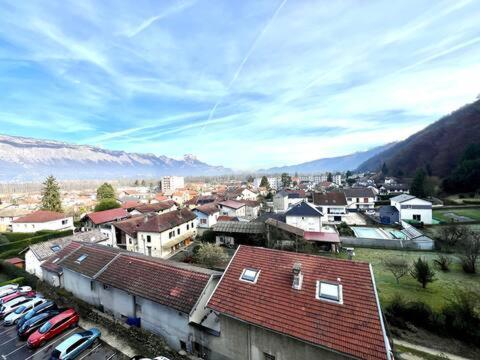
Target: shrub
[397,266]
[211,255]
[33,239]
[18,280]
[470,252]
[15,272]
[107,204]
[208,236]
[442,262]
[344,230]
[422,272]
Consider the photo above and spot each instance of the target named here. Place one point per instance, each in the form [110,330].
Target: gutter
[380,314]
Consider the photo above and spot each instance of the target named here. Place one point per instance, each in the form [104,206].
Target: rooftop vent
[297,276]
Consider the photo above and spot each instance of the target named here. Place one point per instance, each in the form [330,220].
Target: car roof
[33,300]
[64,345]
[62,315]
[15,301]
[37,317]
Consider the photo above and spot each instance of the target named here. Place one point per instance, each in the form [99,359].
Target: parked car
[370,212]
[12,305]
[75,344]
[47,305]
[24,290]
[56,325]
[7,288]
[141,357]
[13,317]
[31,325]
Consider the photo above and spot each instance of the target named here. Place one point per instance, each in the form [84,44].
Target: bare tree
[470,252]
[397,266]
[451,235]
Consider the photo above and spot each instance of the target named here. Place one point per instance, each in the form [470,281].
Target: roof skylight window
[55,248]
[81,258]
[329,292]
[250,275]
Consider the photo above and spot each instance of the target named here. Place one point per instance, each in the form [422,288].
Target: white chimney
[297,276]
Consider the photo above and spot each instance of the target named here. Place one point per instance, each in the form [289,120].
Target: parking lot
[11,348]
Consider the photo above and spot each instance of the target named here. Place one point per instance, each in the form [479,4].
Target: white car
[370,212]
[8,289]
[12,305]
[20,311]
[23,290]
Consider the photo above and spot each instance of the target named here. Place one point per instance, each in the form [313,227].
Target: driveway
[11,348]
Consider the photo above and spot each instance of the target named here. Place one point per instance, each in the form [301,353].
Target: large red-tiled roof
[95,258]
[162,222]
[208,209]
[101,217]
[51,263]
[334,198]
[150,208]
[40,216]
[158,281]
[353,328]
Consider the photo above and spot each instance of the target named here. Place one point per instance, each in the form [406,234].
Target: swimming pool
[369,233]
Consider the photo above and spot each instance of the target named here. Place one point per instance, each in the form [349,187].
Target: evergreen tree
[51,195]
[422,272]
[329,177]
[286,180]
[105,191]
[136,183]
[264,182]
[348,174]
[250,179]
[418,184]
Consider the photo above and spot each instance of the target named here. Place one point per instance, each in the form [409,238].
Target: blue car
[30,326]
[49,305]
[75,345]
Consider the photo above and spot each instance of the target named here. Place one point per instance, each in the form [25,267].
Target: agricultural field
[457,215]
[436,294]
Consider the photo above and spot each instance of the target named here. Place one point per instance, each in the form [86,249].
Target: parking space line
[60,338]
[111,356]
[6,342]
[9,329]
[14,351]
[91,351]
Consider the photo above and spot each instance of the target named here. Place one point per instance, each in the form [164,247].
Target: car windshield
[20,309]
[45,327]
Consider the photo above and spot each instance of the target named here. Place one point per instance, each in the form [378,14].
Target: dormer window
[81,258]
[329,292]
[250,275]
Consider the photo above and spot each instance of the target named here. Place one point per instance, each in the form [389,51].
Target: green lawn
[436,293]
[472,213]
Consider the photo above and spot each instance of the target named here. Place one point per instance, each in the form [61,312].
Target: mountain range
[332,164]
[437,148]
[28,159]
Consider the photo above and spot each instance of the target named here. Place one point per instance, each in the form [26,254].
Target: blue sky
[244,84]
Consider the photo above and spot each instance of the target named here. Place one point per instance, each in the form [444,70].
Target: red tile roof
[102,217]
[208,209]
[130,226]
[352,328]
[163,222]
[232,204]
[97,256]
[330,199]
[227,218]
[159,281]
[15,260]
[51,263]
[40,216]
[130,204]
[151,208]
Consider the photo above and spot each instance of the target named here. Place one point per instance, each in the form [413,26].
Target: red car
[16,294]
[56,325]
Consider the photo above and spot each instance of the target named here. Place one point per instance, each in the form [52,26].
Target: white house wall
[49,225]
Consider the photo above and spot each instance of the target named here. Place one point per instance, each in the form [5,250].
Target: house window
[149,238]
[178,231]
[203,221]
[329,292]
[417,217]
[267,356]
[188,226]
[192,225]
[64,222]
[81,258]
[250,275]
[365,199]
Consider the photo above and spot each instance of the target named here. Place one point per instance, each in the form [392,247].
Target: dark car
[30,326]
[49,305]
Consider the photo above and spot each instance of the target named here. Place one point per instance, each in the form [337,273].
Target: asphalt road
[11,348]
